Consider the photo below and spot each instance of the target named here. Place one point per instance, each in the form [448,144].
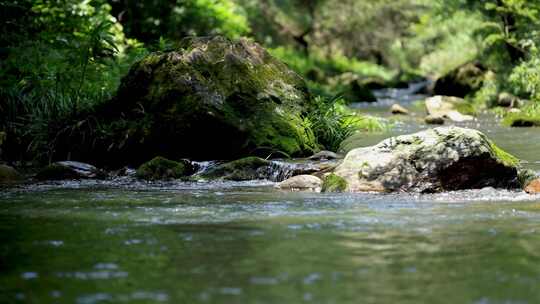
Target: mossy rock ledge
[434,160]
[211,98]
[461,81]
[160,168]
[9,175]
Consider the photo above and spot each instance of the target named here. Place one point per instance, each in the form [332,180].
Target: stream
[125,241]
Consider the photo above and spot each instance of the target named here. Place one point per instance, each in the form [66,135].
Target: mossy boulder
[301,183]
[508,100]
[434,160]
[434,120]
[461,81]
[160,168]
[520,120]
[211,98]
[9,175]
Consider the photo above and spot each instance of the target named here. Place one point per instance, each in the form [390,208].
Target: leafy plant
[67,56]
[332,122]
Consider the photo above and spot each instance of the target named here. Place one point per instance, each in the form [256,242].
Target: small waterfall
[279,171]
[203,166]
[275,170]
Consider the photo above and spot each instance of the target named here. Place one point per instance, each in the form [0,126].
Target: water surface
[247,243]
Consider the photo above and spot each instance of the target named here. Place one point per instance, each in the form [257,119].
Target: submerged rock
[301,183]
[212,98]
[461,81]
[508,100]
[9,175]
[67,170]
[434,120]
[324,155]
[397,109]
[440,159]
[533,187]
[447,107]
[160,168]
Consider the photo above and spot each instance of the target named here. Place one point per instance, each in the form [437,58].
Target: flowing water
[124,241]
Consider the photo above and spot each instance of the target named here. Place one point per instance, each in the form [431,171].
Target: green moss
[283,133]
[521,120]
[334,183]
[162,168]
[466,108]
[503,156]
[238,170]
[528,116]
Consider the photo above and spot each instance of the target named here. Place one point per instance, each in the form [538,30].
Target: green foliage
[501,34]
[441,43]
[332,122]
[150,20]
[61,58]
[510,26]
[329,65]
[334,183]
[525,78]
[324,73]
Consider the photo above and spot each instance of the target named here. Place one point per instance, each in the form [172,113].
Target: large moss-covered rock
[461,81]
[440,159]
[212,98]
[160,168]
[9,175]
